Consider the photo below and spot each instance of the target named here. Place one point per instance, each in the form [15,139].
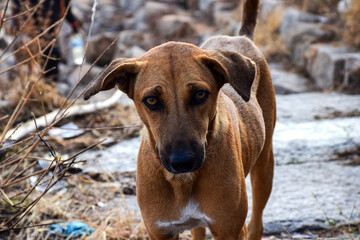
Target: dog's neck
[182,184]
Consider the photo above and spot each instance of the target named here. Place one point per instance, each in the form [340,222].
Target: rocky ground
[317,134]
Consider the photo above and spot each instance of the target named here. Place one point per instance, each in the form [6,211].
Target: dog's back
[255,114]
[263,98]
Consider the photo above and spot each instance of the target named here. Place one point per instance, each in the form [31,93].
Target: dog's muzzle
[183,159]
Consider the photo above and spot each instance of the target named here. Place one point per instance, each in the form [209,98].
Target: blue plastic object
[73,229]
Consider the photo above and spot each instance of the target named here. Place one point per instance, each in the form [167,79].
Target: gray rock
[5,65]
[131,5]
[3,43]
[268,6]
[135,52]
[63,88]
[131,37]
[205,5]
[121,50]
[136,22]
[136,38]
[326,67]
[301,36]
[154,10]
[343,6]
[108,18]
[206,10]
[352,73]
[223,18]
[4,103]
[75,74]
[98,44]
[81,10]
[192,5]
[64,43]
[175,26]
[293,16]
[287,82]
[333,67]
[203,37]
[145,18]
[129,52]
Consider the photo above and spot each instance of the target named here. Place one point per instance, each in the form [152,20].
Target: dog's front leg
[198,233]
[230,225]
[155,234]
[229,235]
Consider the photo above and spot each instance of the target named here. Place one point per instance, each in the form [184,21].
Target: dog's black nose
[182,162]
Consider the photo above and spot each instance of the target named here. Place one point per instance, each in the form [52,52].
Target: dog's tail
[250,12]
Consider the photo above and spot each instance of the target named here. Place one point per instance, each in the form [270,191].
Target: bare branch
[2,20]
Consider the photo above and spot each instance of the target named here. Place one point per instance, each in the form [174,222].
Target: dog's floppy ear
[119,73]
[233,68]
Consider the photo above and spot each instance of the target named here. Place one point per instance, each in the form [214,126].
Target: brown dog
[209,115]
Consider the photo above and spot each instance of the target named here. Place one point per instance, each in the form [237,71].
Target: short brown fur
[233,128]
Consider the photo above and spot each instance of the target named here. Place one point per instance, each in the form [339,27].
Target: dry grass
[352,25]
[321,7]
[268,39]
[99,204]
[26,210]
[42,99]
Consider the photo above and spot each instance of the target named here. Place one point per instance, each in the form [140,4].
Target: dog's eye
[200,96]
[152,103]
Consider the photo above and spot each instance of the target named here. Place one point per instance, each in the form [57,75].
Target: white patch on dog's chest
[190,218]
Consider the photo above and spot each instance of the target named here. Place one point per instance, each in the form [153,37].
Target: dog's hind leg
[198,233]
[261,183]
[243,233]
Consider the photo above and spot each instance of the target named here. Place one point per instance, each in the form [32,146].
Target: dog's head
[175,89]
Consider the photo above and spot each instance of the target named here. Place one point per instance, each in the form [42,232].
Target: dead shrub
[43,98]
[268,38]
[352,24]
[320,6]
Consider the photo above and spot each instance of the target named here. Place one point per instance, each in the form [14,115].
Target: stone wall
[315,47]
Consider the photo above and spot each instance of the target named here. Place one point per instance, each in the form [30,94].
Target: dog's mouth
[183,159]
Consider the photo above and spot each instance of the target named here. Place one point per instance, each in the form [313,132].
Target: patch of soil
[349,157]
[116,123]
[125,181]
[347,231]
[338,114]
